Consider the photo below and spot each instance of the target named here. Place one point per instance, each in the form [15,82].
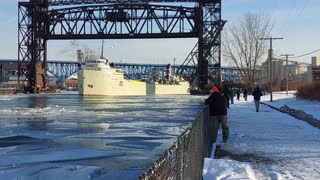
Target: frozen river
[65,136]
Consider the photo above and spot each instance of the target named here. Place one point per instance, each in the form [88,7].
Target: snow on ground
[266,145]
[281,99]
[226,169]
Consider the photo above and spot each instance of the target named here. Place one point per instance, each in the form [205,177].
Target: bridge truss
[43,20]
[63,70]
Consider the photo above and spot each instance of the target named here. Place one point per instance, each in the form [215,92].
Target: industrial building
[298,73]
[316,69]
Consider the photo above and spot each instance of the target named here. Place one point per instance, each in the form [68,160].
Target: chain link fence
[184,160]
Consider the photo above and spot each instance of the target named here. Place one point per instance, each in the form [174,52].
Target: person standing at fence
[257,95]
[218,115]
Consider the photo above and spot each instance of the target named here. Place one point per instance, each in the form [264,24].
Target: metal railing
[184,160]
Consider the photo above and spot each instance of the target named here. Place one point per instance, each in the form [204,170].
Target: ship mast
[102,50]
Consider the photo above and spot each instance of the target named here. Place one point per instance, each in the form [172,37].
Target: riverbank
[265,145]
[8,91]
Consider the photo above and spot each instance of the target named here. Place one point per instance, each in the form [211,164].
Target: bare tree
[242,45]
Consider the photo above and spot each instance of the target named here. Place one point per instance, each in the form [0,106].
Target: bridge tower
[120,19]
[32,48]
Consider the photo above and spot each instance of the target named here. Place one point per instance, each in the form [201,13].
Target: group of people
[229,94]
[218,103]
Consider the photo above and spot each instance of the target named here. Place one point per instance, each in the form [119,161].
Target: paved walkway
[276,145]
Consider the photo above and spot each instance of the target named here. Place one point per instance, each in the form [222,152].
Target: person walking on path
[232,95]
[218,115]
[238,94]
[245,94]
[257,95]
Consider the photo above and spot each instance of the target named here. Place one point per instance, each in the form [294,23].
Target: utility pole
[270,62]
[287,59]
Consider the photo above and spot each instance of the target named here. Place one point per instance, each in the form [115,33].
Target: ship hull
[102,83]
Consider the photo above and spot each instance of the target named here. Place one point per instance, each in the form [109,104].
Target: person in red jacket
[218,115]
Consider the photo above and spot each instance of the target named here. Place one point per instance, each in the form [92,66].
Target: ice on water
[65,136]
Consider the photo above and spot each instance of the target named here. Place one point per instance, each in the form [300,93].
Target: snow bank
[280,99]
[226,169]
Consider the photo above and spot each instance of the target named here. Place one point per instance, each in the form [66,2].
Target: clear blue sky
[297,21]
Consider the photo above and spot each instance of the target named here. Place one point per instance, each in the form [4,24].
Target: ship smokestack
[168,71]
[80,56]
[102,46]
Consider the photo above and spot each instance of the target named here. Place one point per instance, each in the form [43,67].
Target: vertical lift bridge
[43,20]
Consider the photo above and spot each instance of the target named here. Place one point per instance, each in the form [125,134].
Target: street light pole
[270,62]
[287,59]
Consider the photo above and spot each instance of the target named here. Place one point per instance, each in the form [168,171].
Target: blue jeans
[257,102]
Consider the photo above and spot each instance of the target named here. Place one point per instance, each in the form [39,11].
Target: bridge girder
[121,21]
[81,2]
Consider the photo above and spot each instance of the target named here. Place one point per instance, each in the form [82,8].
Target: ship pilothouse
[89,61]
[100,64]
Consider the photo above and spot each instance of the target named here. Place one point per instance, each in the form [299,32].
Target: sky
[295,20]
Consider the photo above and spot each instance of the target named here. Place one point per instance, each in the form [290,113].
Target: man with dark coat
[238,94]
[257,95]
[218,115]
[245,94]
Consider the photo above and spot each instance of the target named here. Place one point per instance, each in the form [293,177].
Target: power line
[306,54]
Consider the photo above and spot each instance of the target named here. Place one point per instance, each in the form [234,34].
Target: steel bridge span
[63,70]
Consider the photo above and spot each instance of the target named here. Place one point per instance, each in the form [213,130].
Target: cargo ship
[98,77]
